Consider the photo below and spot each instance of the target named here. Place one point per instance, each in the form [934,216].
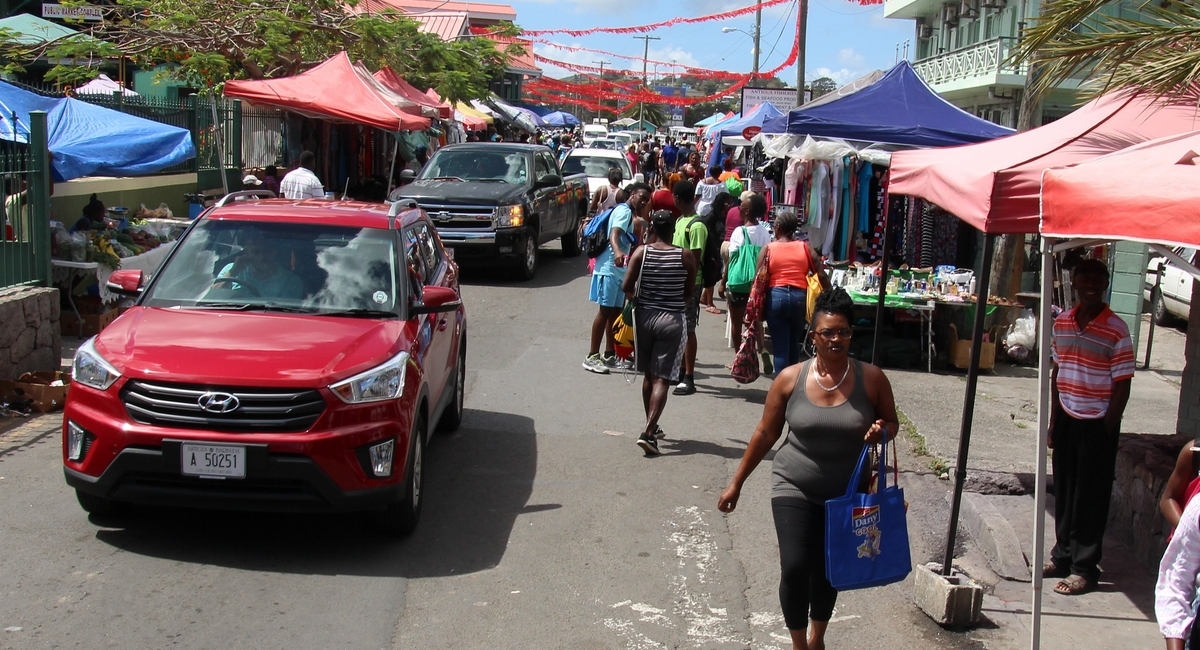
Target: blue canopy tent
[711,120]
[900,108]
[761,116]
[540,111]
[559,118]
[89,140]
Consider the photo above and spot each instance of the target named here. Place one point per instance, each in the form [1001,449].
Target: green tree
[1155,49]
[212,41]
[822,86]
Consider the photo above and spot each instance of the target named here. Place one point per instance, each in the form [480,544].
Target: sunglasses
[830,335]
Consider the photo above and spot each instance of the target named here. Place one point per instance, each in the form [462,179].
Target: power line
[781,31]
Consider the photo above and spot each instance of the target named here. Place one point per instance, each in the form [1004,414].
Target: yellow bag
[622,332]
[814,290]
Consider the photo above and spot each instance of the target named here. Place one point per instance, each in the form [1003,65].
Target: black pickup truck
[495,204]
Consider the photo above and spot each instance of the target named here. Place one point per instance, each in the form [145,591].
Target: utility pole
[601,64]
[757,37]
[802,27]
[645,83]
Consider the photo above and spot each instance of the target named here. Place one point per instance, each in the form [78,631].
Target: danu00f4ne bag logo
[865,523]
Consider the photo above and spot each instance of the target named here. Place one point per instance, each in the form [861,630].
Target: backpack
[743,265]
[710,265]
[734,186]
[595,234]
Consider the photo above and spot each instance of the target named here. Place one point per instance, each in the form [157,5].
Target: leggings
[804,591]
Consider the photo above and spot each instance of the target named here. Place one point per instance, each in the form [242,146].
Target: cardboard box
[36,386]
[958,351]
[93,324]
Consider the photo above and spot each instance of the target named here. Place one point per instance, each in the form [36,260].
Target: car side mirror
[549,180]
[125,283]
[436,300]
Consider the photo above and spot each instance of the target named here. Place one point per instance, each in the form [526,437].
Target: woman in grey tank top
[833,405]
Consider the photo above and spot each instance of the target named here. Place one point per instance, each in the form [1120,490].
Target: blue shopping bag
[866,535]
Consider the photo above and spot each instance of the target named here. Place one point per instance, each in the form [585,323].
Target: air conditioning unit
[993,4]
[950,14]
[968,10]
[924,31]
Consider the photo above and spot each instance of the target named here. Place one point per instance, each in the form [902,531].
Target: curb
[995,537]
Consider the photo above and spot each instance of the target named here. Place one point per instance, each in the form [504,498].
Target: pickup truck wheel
[400,518]
[570,242]
[1158,308]
[527,266]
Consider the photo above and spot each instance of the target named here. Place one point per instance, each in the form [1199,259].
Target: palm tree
[1153,49]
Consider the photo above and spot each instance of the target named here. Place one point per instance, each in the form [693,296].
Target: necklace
[817,378]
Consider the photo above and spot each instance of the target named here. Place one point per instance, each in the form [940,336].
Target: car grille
[259,410]
[460,216]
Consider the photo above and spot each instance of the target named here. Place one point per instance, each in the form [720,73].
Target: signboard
[84,12]
[674,114]
[751,131]
[782,98]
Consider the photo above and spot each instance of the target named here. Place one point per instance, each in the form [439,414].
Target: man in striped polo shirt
[1094,364]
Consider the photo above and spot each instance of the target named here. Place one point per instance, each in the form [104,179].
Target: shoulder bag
[742,268]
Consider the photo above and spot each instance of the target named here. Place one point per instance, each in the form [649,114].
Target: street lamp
[756,35]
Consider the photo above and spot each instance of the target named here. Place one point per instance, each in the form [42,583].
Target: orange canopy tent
[335,90]
[430,107]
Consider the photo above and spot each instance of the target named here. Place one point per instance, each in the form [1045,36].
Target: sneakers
[649,445]
[659,434]
[594,363]
[685,387]
[767,366]
[612,362]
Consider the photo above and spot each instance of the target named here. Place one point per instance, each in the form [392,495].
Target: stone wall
[1189,394]
[1144,463]
[29,331]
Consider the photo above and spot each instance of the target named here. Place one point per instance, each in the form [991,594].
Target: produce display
[109,245]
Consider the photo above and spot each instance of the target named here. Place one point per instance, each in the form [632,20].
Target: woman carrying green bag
[744,246]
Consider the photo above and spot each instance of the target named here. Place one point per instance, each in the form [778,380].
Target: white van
[593,131]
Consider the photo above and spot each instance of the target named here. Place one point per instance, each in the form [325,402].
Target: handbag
[745,363]
[756,306]
[814,287]
[866,535]
[743,266]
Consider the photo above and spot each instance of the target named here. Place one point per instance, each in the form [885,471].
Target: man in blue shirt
[608,275]
[670,157]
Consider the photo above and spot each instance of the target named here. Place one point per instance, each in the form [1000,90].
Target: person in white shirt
[1179,581]
[301,182]
[754,233]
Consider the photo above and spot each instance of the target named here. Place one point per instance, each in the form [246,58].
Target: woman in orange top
[788,262]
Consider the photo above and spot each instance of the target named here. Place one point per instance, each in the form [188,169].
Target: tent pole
[219,129]
[883,271]
[1045,332]
[968,417]
[395,152]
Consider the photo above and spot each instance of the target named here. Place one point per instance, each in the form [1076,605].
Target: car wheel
[452,416]
[400,518]
[570,242]
[95,505]
[1158,308]
[527,266]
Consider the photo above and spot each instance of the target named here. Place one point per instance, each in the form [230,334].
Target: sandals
[1074,585]
[713,310]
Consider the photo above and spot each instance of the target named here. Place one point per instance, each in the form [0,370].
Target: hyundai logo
[215,402]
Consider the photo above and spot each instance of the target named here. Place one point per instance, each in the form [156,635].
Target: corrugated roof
[448,25]
[474,10]
[31,30]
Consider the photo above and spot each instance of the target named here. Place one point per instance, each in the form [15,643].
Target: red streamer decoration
[642,29]
[587,69]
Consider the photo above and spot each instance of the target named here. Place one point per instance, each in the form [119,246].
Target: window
[542,167]
[424,254]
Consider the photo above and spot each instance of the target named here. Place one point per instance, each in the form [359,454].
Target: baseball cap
[251,179]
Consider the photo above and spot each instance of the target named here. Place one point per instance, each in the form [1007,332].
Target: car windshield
[476,165]
[594,166]
[310,268]
[603,144]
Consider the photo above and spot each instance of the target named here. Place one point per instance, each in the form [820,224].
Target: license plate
[225,461]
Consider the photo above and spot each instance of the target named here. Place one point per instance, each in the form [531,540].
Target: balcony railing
[982,59]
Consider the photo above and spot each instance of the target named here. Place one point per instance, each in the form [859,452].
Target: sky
[845,40]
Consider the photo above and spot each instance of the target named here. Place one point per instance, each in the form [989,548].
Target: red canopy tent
[995,185]
[430,107]
[335,90]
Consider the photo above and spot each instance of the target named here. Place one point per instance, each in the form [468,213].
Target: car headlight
[383,382]
[510,216]
[91,369]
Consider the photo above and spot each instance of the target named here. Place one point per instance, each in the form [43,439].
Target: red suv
[288,355]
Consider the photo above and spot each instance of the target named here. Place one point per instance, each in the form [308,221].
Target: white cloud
[841,76]
[674,55]
[848,57]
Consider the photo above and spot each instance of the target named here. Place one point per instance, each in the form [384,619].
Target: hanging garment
[865,175]
[925,246]
[791,186]
[818,194]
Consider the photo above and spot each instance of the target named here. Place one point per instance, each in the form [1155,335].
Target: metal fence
[25,218]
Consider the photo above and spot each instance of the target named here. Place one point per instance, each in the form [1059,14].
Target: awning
[430,108]
[31,30]
[711,119]
[559,118]
[995,186]
[760,116]
[90,140]
[899,108]
[472,112]
[1148,193]
[103,85]
[335,90]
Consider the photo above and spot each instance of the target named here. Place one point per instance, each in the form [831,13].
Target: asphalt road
[544,526]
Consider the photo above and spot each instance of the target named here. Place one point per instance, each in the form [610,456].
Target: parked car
[288,355]
[1173,297]
[495,204]
[595,163]
[593,131]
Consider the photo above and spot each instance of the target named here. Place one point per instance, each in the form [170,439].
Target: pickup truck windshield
[280,267]
[594,166]
[477,165]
